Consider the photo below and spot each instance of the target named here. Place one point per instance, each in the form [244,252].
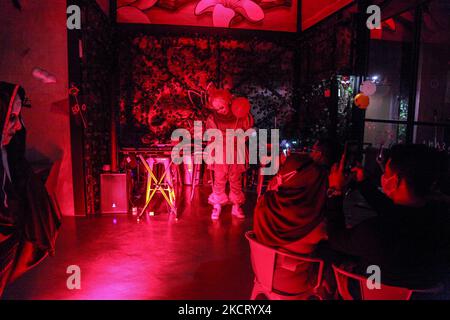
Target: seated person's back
[290,215]
[293,213]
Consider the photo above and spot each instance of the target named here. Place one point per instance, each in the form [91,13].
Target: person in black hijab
[290,216]
[28,221]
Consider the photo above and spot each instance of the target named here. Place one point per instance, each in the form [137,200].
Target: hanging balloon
[362,101]
[368,88]
[240,107]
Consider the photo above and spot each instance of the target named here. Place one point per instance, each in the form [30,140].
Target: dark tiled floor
[192,258]
[159,258]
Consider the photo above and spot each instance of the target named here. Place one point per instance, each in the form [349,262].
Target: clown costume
[222,119]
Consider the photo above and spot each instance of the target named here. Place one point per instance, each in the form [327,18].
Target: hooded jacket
[28,221]
[295,209]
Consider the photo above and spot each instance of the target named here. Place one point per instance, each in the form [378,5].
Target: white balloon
[368,88]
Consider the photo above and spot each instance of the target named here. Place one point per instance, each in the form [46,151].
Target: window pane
[433,99]
[438,137]
[433,136]
[384,133]
[390,67]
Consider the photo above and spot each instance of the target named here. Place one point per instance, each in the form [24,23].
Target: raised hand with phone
[347,170]
[338,178]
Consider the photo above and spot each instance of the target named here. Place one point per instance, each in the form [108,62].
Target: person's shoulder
[297,162]
[300,158]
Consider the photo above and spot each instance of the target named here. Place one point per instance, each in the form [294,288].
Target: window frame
[414,64]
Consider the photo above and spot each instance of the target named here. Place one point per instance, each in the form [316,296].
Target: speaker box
[113,193]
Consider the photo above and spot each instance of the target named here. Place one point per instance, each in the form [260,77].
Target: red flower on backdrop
[225,10]
[73,91]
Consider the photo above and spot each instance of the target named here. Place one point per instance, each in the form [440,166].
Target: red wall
[314,11]
[37,37]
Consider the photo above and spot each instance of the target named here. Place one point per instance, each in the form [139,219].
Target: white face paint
[12,124]
[221,106]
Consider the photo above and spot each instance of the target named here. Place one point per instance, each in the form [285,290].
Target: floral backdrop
[164,81]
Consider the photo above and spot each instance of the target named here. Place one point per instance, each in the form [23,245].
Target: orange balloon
[362,101]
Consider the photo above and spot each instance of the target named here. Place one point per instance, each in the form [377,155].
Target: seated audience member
[410,238]
[290,214]
[28,223]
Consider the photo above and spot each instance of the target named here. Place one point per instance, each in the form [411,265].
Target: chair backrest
[385,292]
[264,261]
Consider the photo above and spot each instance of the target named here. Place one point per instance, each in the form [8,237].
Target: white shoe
[237,211]
[217,209]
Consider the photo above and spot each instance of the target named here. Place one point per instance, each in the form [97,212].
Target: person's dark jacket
[410,245]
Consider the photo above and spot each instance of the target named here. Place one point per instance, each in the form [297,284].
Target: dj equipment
[157,150]
[163,183]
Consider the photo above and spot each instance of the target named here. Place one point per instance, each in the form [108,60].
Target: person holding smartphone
[409,239]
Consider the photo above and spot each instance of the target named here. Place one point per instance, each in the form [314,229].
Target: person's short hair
[417,164]
[330,149]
